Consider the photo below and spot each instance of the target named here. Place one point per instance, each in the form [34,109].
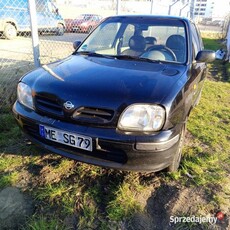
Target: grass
[211,44]
[42,223]
[9,179]
[101,198]
[207,159]
[220,68]
[124,202]
[10,132]
[61,194]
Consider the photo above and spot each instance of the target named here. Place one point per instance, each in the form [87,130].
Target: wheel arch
[61,23]
[12,22]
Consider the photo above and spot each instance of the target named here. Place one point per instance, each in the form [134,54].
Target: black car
[122,99]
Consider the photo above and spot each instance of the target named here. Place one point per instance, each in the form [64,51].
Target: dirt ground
[161,200]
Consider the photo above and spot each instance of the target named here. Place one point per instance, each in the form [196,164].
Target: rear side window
[196,41]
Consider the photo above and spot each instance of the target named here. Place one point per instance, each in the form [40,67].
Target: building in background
[203,8]
[212,9]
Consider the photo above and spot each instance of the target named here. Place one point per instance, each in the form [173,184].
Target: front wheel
[10,31]
[177,157]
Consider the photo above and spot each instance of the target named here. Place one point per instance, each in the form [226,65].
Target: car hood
[104,82]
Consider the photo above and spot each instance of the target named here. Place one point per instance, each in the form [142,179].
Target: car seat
[150,41]
[136,46]
[177,44]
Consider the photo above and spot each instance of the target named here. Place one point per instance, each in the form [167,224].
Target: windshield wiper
[92,54]
[135,58]
[120,57]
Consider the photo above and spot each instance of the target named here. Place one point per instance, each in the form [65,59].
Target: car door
[198,71]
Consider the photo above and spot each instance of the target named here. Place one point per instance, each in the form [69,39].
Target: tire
[177,157]
[10,31]
[60,29]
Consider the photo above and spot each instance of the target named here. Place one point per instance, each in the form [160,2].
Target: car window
[40,6]
[128,33]
[97,18]
[162,33]
[137,36]
[195,41]
[87,18]
[103,39]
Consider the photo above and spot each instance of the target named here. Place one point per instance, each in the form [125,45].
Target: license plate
[66,138]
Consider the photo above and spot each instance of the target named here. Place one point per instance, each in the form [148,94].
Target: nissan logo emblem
[68,105]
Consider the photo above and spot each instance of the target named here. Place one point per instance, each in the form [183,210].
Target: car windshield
[152,38]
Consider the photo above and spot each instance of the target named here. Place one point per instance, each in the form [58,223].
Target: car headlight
[24,94]
[142,117]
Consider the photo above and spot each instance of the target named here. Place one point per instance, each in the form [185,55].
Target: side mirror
[76,44]
[205,56]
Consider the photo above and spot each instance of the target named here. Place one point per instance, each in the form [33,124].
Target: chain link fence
[216,28]
[16,58]
[56,24]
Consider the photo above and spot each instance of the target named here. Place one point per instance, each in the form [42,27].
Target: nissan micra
[122,99]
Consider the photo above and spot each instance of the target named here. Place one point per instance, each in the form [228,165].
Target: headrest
[137,43]
[175,41]
[150,40]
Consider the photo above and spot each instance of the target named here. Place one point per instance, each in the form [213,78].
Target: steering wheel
[164,50]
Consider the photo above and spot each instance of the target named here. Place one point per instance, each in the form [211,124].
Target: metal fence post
[170,6]
[34,32]
[183,8]
[118,7]
[151,9]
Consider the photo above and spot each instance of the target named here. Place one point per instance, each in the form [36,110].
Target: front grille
[93,115]
[48,105]
[51,106]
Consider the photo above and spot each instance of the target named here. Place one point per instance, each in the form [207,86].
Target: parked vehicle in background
[122,99]
[15,18]
[84,23]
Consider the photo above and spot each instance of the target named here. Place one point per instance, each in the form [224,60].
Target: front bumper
[111,148]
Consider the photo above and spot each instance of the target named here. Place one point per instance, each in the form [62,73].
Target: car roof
[153,17]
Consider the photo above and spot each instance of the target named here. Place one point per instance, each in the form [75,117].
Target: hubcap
[11,32]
